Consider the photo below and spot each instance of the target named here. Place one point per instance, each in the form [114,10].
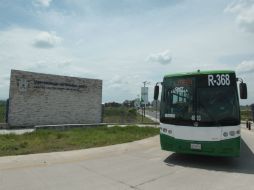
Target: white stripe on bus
[199,133]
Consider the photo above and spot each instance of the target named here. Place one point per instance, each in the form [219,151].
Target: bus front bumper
[229,147]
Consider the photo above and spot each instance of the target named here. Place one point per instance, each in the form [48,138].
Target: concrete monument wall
[42,99]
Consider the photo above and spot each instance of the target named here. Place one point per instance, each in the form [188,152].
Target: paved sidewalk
[15,131]
[150,117]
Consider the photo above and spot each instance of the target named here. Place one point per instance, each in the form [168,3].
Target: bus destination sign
[216,80]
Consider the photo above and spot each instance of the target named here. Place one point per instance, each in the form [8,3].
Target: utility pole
[156,103]
[145,83]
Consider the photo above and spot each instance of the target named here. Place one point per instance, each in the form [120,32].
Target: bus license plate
[196,146]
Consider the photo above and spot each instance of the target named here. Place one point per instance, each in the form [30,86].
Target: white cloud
[117,81]
[163,58]
[246,67]
[244,10]
[46,40]
[18,53]
[102,47]
[124,86]
[43,3]
[64,64]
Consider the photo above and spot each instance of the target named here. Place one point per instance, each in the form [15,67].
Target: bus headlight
[238,132]
[225,134]
[169,131]
[164,130]
[232,133]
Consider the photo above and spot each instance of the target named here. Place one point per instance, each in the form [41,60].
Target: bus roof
[199,73]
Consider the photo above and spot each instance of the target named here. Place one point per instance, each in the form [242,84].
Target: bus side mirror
[156,92]
[243,90]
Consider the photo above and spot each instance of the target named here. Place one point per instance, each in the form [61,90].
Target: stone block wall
[43,99]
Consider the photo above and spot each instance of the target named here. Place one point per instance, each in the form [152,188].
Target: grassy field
[56,140]
[122,115]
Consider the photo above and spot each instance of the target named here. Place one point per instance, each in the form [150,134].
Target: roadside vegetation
[246,115]
[57,140]
[123,115]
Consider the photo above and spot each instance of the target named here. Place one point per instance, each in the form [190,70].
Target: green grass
[56,140]
[246,115]
[123,115]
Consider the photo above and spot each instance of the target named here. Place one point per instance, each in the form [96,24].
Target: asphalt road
[137,165]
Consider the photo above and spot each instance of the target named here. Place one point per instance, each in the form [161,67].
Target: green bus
[200,112]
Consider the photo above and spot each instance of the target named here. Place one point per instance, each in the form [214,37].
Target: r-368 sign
[218,80]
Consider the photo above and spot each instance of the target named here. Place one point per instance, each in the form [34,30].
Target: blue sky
[126,42]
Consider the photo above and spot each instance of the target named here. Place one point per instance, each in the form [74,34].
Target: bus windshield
[217,106]
[178,98]
[186,100]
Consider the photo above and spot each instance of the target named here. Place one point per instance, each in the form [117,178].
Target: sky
[126,42]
